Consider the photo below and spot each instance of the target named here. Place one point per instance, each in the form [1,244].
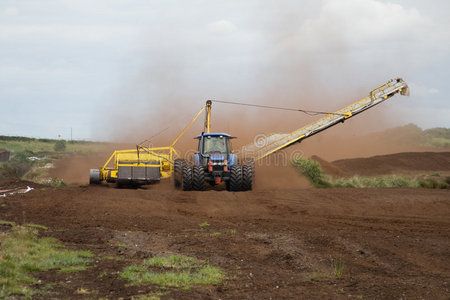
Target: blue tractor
[213,164]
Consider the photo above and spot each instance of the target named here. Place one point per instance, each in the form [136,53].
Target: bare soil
[274,242]
[425,162]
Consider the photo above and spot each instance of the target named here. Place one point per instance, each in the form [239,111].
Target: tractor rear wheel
[198,180]
[247,177]
[187,178]
[178,172]
[235,182]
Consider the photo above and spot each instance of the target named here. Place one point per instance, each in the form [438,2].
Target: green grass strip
[24,253]
[173,271]
[312,171]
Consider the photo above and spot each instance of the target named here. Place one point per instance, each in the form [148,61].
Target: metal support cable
[308,112]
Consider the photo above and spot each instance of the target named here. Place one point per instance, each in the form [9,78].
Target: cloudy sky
[104,66]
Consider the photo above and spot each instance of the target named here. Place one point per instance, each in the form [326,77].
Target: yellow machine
[276,142]
[142,165]
[136,166]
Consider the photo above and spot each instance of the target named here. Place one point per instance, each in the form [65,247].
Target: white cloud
[20,73]
[67,33]
[11,11]
[364,23]
[421,90]
[222,27]
[434,117]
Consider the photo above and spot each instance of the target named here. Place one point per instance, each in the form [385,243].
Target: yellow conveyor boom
[276,142]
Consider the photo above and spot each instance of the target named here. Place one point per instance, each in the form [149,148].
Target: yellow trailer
[142,165]
[136,166]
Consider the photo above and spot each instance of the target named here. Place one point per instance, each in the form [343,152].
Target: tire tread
[187,178]
[235,183]
[198,180]
[247,177]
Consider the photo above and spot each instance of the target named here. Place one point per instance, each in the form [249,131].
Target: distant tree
[60,145]
[438,132]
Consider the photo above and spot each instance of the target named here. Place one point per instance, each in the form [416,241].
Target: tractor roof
[215,134]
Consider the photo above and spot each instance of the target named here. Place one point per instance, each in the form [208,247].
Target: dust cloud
[179,74]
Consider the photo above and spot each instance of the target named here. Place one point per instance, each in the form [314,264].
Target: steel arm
[189,125]
[276,142]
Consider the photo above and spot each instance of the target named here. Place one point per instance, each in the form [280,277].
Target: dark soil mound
[15,183]
[394,163]
[329,168]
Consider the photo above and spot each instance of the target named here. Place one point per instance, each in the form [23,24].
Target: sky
[103,68]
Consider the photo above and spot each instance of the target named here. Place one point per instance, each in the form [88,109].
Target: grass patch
[375,182]
[433,183]
[440,142]
[173,271]
[25,253]
[149,297]
[337,267]
[108,257]
[203,224]
[21,144]
[18,165]
[53,182]
[60,146]
[17,146]
[312,171]
[172,262]
[37,226]
[2,222]
[29,156]
[315,276]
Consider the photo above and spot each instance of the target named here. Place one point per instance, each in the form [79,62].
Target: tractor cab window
[215,144]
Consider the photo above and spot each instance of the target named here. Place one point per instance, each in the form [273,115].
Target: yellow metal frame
[189,125]
[377,96]
[208,116]
[140,156]
[164,156]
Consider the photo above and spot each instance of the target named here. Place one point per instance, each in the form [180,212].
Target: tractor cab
[214,143]
[214,147]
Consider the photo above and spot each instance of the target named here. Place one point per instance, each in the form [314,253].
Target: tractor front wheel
[198,180]
[187,178]
[235,182]
[178,172]
[247,177]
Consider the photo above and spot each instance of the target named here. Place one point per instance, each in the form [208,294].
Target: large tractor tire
[198,180]
[187,178]
[235,182]
[94,176]
[247,177]
[178,165]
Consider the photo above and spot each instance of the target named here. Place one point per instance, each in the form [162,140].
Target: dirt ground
[397,163]
[275,242]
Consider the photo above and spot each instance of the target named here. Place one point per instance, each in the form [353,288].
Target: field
[277,241]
